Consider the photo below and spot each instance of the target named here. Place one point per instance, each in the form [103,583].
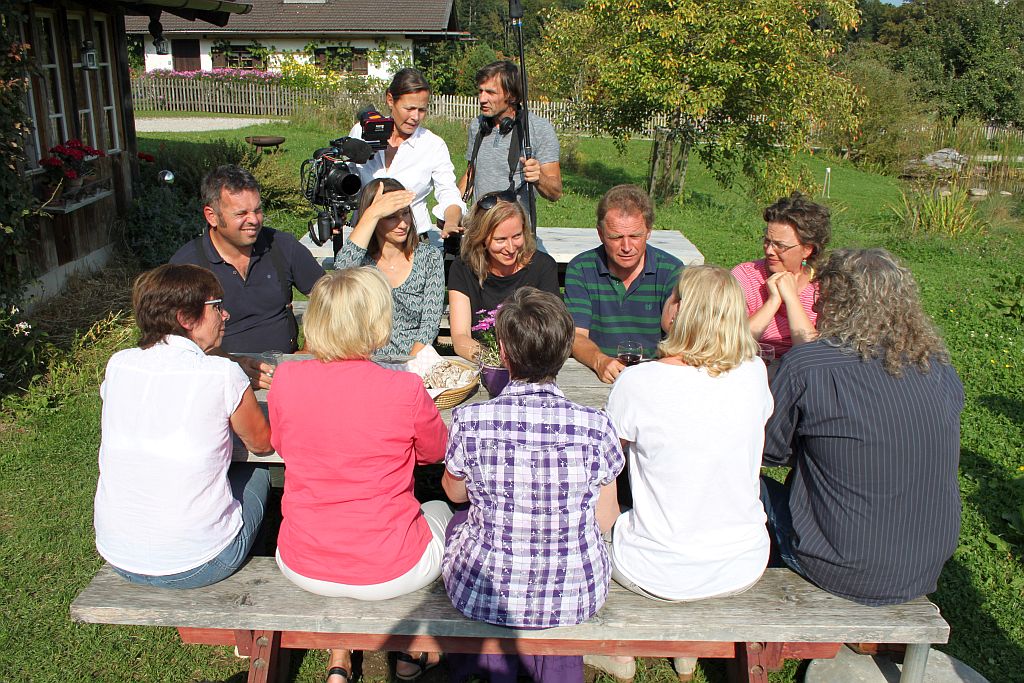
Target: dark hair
[536,332]
[227,177]
[509,75]
[160,294]
[628,199]
[810,220]
[407,81]
[412,239]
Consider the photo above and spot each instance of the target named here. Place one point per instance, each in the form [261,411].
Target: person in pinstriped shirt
[868,415]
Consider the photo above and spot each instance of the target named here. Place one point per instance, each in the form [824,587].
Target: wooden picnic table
[577,382]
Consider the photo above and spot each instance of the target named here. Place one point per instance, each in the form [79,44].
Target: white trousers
[438,514]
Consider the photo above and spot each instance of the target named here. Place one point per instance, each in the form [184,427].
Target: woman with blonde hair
[384,237]
[498,255]
[692,425]
[351,525]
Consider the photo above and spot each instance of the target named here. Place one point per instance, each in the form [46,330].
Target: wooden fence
[268,98]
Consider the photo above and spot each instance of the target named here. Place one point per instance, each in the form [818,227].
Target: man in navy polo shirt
[256,266]
[616,292]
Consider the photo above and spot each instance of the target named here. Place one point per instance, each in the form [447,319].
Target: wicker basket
[453,397]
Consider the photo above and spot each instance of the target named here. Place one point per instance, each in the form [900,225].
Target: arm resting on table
[250,424]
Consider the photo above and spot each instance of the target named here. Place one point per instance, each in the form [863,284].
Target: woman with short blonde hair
[708,331]
[692,425]
[498,255]
[349,315]
[351,432]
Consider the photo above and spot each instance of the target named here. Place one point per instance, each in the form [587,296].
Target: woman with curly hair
[868,415]
[779,288]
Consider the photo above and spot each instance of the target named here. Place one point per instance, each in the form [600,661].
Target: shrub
[1009,299]
[943,211]
[20,351]
[159,223]
[164,217]
[893,127]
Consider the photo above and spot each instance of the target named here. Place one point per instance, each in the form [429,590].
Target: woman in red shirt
[350,433]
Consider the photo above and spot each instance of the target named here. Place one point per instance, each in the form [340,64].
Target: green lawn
[49,438]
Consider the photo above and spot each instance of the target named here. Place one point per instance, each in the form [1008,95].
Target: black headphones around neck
[505,126]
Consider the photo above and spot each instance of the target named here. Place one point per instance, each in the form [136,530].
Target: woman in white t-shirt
[692,424]
[168,510]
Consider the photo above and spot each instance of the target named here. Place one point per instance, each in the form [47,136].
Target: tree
[965,55]
[740,82]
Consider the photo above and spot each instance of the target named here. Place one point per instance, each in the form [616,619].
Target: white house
[362,37]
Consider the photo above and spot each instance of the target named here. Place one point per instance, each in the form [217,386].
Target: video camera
[329,181]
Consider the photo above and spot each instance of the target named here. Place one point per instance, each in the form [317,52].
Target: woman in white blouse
[171,509]
[414,156]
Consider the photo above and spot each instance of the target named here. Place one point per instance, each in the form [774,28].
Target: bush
[159,223]
[893,126]
[164,217]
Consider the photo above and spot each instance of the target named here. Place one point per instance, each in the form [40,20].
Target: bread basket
[453,397]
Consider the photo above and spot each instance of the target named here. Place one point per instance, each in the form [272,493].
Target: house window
[238,57]
[106,92]
[32,147]
[83,81]
[352,60]
[56,130]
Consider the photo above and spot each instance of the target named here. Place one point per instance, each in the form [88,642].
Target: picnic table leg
[267,659]
[752,663]
[915,662]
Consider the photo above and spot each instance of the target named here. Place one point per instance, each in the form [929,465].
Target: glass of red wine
[629,352]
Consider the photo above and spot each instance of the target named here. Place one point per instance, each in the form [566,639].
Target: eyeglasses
[218,304]
[779,247]
[491,199]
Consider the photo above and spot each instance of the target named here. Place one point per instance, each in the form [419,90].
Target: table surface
[576,381]
[562,244]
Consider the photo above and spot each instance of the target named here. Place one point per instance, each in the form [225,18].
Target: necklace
[389,265]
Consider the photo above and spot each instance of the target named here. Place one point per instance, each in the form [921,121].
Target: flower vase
[74,185]
[494,379]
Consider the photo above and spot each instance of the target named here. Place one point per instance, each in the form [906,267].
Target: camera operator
[496,151]
[414,156]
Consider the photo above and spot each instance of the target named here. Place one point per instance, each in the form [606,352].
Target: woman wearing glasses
[779,288]
[498,256]
[414,156]
[169,511]
[385,238]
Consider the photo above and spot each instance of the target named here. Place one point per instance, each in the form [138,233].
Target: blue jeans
[775,498]
[250,485]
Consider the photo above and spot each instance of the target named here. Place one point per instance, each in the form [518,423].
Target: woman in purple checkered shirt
[539,474]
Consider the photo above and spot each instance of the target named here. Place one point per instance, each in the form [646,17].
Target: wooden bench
[265,615]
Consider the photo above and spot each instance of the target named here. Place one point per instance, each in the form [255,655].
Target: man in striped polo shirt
[616,291]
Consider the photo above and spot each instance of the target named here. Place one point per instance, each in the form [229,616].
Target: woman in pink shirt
[779,288]
[350,433]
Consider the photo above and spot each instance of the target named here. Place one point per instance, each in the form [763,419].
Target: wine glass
[629,352]
[766,352]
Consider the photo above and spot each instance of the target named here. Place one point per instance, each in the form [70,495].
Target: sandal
[423,666]
[338,671]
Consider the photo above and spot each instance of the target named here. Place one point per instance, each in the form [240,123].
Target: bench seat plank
[782,607]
